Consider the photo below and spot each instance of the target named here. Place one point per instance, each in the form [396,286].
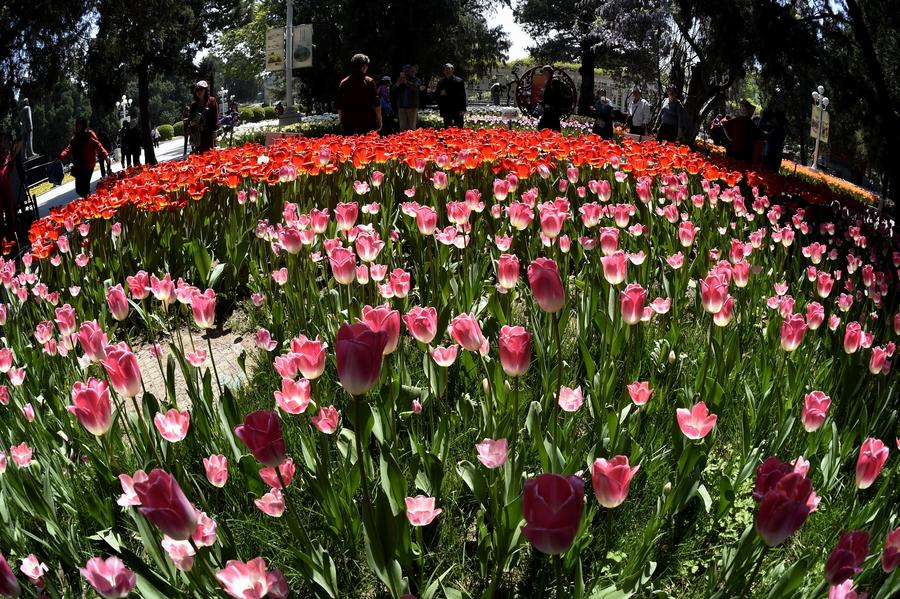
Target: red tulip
[784,496]
[121,366]
[308,356]
[845,560]
[163,503]
[872,456]
[611,480]
[546,285]
[117,302]
[890,555]
[359,352]
[9,586]
[633,298]
[696,422]
[815,408]
[90,404]
[552,506]
[261,433]
[515,350]
[384,319]
[109,577]
[793,328]
[421,323]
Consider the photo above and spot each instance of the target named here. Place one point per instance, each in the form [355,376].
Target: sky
[520,40]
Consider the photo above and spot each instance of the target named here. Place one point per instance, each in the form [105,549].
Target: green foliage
[257,114]
[166,132]
[269,112]
[178,128]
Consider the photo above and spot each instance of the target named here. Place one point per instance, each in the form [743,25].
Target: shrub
[246,114]
[166,132]
[270,113]
[178,128]
[258,114]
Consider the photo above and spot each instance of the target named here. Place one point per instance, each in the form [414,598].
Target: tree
[147,38]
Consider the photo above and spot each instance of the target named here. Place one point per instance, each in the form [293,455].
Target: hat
[202,83]
[386,79]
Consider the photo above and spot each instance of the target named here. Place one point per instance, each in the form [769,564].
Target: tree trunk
[586,94]
[144,107]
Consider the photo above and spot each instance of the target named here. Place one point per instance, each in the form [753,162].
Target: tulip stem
[203,560]
[420,539]
[555,407]
[360,460]
[557,572]
[213,360]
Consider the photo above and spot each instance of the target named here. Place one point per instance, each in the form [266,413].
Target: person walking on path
[671,117]
[407,90]
[83,150]
[203,119]
[451,98]
[551,101]
[357,102]
[640,114]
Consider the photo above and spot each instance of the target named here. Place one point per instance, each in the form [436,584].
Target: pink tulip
[520,215]
[546,285]
[216,467]
[507,271]
[173,426]
[264,340]
[615,267]
[515,350]
[326,419]
[570,399]
[784,496]
[426,220]
[346,214]
[122,368]
[6,359]
[845,590]
[129,496]
[713,292]
[444,356]
[815,409]
[793,328]
[93,340]
[640,392]
[90,404]
[723,316]
[270,476]
[309,356]
[696,422]
[163,289]
[17,376]
[203,306]
[359,352]
[609,240]
[421,323]
[878,362]
[492,453]
[196,358]
[632,303]
[294,397]
[251,581]
[464,329]
[686,233]
[420,510]
[824,283]
[846,559]
[815,315]
[21,454]
[117,302]
[890,555]
[852,337]
[163,503]
[271,504]
[109,577]
[872,456]
[343,265]
[384,319]
[34,569]
[180,552]
[66,320]
[400,283]
[280,276]
[611,480]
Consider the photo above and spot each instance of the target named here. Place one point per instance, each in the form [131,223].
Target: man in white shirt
[640,114]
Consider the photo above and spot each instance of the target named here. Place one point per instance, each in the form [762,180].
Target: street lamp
[123,106]
[821,102]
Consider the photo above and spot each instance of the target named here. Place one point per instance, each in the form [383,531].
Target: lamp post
[821,102]
[123,106]
[223,98]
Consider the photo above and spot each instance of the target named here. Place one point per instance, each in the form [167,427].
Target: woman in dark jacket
[204,118]
[83,150]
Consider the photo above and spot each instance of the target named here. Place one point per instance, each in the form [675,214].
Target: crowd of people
[758,139]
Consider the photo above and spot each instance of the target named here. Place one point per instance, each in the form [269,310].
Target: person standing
[123,144]
[83,150]
[671,117]
[25,128]
[640,114]
[154,135]
[9,153]
[204,118]
[357,102]
[603,115]
[106,142]
[742,133]
[407,90]
[551,101]
[451,97]
[134,144]
[773,125]
[388,118]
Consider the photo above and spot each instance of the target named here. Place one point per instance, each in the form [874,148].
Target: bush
[166,132]
[178,128]
[258,114]
[270,112]
[246,114]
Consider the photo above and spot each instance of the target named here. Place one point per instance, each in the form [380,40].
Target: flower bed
[490,363]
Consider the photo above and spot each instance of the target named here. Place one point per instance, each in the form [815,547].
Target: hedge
[166,132]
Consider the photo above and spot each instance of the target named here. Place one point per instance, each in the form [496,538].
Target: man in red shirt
[357,103]
[83,149]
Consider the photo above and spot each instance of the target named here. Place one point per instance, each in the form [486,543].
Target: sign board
[303,46]
[275,49]
[814,124]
